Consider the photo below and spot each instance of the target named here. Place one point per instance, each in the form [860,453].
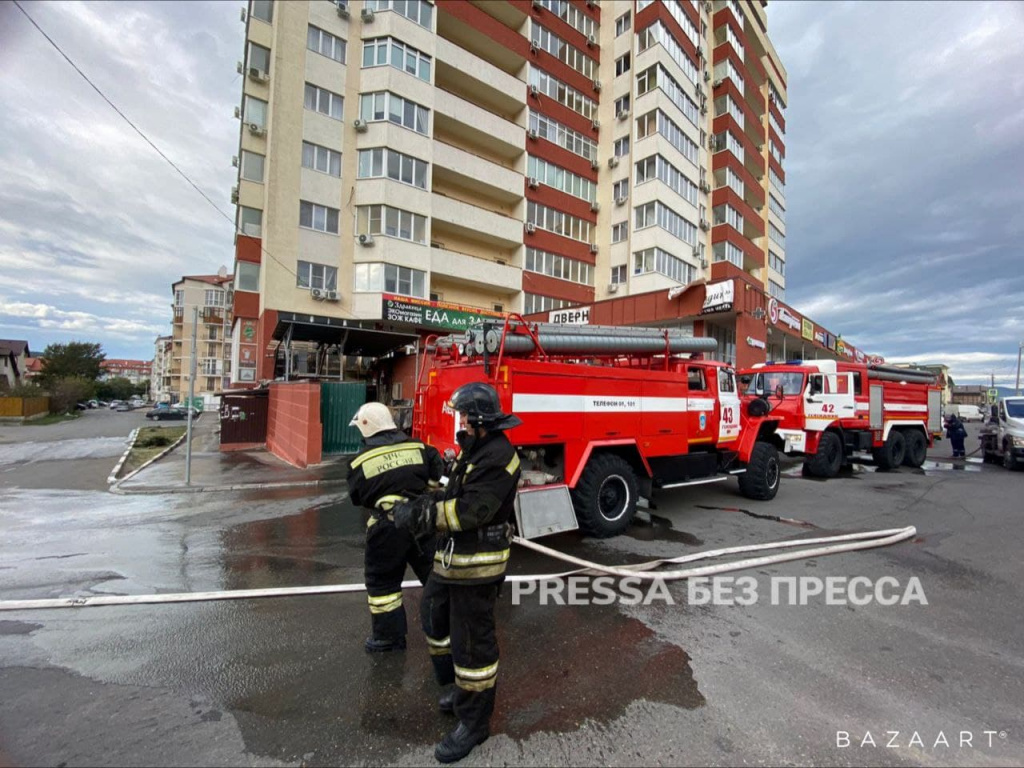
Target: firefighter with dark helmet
[390,469]
[471,515]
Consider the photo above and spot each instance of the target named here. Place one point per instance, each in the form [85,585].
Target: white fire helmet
[372,418]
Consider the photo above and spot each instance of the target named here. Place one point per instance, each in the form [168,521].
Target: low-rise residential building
[212,295]
[14,355]
[136,371]
[160,381]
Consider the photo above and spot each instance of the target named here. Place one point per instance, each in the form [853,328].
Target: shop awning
[353,337]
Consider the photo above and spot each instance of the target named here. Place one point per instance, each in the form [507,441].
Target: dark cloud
[905,154]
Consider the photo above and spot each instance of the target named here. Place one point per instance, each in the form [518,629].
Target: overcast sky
[905,169]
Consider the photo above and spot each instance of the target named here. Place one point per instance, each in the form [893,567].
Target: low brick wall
[294,431]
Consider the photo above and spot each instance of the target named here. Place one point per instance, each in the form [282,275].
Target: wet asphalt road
[285,681]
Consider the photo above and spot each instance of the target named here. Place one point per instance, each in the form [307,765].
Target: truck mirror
[780,392]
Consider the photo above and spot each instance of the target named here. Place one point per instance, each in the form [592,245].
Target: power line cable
[154,146]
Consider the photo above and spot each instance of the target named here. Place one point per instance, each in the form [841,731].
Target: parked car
[122,406]
[162,413]
[114,404]
[81,406]
[93,403]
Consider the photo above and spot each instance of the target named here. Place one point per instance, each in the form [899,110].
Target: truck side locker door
[700,405]
[829,397]
[729,406]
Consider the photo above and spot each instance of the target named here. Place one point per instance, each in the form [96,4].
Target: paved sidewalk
[213,470]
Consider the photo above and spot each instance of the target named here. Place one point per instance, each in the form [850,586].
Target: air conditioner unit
[241,15]
[705,187]
[342,8]
[593,247]
[367,15]
[234,194]
[533,182]
[238,113]
[613,161]
[234,161]
[332,295]
[597,86]
[595,164]
[705,225]
[257,130]
[591,40]
[698,89]
[703,263]
[530,227]
[359,125]
[707,76]
[258,74]
[596,125]
[240,67]
[595,206]
[317,293]
[707,5]
[531,134]
[622,114]
[537,4]
[533,47]
[703,109]
[717,83]
[366,239]
[613,287]
[621,200]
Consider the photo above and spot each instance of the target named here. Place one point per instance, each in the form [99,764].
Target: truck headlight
[1018,442]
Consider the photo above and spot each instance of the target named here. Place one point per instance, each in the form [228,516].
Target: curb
[154,490]
[115,486]
[112,477]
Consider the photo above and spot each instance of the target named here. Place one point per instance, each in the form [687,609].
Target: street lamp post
[1020,348]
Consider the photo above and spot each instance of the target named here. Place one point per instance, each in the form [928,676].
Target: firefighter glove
[416,516]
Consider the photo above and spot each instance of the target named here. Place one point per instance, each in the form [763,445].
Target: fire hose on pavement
[803,548]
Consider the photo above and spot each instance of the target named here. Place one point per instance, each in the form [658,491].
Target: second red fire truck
[830,412]
[610,415]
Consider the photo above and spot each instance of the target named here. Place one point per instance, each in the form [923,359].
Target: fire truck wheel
[891,454]
[605,496]
[917,448]
[829,458]
[761,480]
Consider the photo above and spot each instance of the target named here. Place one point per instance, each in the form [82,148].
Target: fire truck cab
[828,412]
[607,429]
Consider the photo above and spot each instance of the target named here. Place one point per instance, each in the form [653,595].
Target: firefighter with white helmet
[390,469]
[471,515]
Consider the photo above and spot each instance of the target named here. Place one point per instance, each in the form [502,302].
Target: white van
[966,412]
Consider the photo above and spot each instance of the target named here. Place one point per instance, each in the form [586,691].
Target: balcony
[487,29]
[476,126]
[457,267]
[459,71]
[477,174]
[474,222]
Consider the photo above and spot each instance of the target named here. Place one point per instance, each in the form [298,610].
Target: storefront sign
[860,356]
[773,310]
[830,341]
[757,343]
[788,318]
[808,329]
[575,316]
[718,297]
[876,360]
[840,347]
[433,314]
[819,336]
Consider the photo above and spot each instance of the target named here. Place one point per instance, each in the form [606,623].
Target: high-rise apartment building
[504,155]
[212,295]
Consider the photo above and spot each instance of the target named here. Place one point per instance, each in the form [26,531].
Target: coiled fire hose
[818,547]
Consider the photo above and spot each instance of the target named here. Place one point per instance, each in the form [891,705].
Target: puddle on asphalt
[847,471]
[660,529]
[970,465]
[18,627]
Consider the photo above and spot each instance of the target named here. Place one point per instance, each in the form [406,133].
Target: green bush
[66,392]
[153,441]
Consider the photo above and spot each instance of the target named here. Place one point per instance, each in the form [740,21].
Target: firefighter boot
[447,701]
[459,743]
[375,645]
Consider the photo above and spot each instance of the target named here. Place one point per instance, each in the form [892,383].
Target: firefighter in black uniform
[391,469]
[471,515]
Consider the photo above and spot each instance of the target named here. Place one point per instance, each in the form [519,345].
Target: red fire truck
[610,414]
[829,412]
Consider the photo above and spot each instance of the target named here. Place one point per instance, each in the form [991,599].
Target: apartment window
[382,162]
[533,302]
[384,105]
[621,146]
[548,41]
[726,214]
[566,138]
[734,182]
[321,159]
[259,57]
[622,105]
[724,69]
[179,298]
[389,278]
[776,236]
[211,350]
[776,290]
[777,183]
[418,11]
[658,77]
[247,276]
[572,15]
[726,338]
[557,177]
[776,262]
[727,106]
[659,34]
[620,231]
[622,64]
[383,51]
[658,214]
[558,222]
[214,298]
[250,221]
[726,251]
[255,112]
[562,267]
[326,44]
[657,167]
[564,94]
[776,207]
[323,101]
[657,260]
[620,190]
[657,121]
[725,140]
[252,166]
[318,217]
[310,275]
[262,10]
[620,274]
[623,23]
[775,123]
[776,152]
[391,222]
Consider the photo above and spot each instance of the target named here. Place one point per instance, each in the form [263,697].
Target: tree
[142,388]
[117,388]
[67,391]
[79,359]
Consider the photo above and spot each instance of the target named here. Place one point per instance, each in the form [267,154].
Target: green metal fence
[339,401]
